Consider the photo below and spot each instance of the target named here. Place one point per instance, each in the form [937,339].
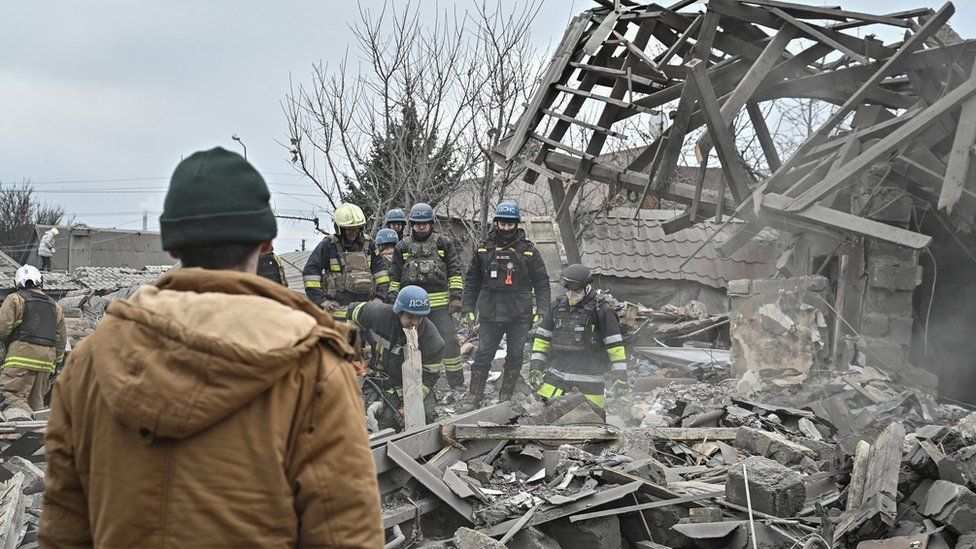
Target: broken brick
[773,488]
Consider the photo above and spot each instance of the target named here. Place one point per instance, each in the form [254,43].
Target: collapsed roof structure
[897,140]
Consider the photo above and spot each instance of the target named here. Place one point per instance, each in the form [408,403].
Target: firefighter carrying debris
[385,324]
[344,267]
[579,332]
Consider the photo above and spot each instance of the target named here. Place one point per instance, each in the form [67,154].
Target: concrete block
[466,538]
[894,276]
[33,476]
[705,514]
[900,329]
[887,302]
[774,489]
[599,532]
[875,249]
[649,469]
[771,445]
[895,206]
[951,504]
[739,287]
[532,538]
[875,325]
[883,353]
[480,471]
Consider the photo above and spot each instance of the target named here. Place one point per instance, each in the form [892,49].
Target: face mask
[575,296]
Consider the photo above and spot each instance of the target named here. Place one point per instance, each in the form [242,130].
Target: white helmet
[27,273]
[55,231]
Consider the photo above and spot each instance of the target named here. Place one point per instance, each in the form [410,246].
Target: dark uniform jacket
[432,263]
[502,278]
[388,340]
[580,343]
[270,267]
[324,272]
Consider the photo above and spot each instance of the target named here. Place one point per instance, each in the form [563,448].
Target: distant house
[84,246]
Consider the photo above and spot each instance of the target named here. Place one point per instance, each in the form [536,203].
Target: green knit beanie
[216,197]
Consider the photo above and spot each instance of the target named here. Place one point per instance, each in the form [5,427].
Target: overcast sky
[103,98]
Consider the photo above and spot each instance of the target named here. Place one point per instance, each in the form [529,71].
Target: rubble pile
[840,460]
[22,469]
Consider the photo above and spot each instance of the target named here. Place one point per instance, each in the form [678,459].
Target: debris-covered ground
[842,458]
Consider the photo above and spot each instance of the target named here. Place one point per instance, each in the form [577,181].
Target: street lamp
[237,138]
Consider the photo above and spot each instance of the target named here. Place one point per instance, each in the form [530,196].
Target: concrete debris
[952,505]
[773,489]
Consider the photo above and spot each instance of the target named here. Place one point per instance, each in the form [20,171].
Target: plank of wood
[645,506]
[532,432]
[430,481]
[812,31]
[774,204]
[881,481]
[958,169]
[765,138]
[11,512]
[859,471]
[548,514]
[407,511]
[544,95]
[682,40]
[920,122]
[603,30]
[718,127]
[893,63]
[689,434]
[413,386]
[820,12]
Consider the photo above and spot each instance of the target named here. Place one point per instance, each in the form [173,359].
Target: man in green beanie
[214,408]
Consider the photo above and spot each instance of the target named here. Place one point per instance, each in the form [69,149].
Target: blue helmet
[421,213]
[386,236]
[508,209]
[413,300]
[394,215]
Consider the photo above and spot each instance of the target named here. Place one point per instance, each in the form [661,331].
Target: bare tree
[19,212]
[412,113]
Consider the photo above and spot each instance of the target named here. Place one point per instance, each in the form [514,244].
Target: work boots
[477,393]
[456,379]
[509,380]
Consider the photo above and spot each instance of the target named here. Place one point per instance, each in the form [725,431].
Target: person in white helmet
[32,326]
[45,250]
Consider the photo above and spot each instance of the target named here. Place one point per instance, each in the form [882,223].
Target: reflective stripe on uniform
[540,345]
[551,391]
[437,299]
[312,281]
[440,253]
[617,354]
[28,363]
[394,285]
[542,332]
[613,339]
[433,368]
[453,364]
[619,367]
[339,314]
[455,283]
[537,356]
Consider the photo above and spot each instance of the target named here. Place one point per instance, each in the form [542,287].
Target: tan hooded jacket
[210,410]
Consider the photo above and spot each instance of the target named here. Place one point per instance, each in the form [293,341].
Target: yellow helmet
[349,216]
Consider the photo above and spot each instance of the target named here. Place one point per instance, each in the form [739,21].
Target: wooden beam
[893,63]
[431,482]
[852,170]
[770,56]
[530,432]
[773,204]
[958,168]
[544,95]
[765,139]
[817,34]
[735,175]
[414,416]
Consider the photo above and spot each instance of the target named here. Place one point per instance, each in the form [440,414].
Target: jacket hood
[183,354]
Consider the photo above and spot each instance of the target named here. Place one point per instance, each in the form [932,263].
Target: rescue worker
[385,324]
[270,267]
[386,240]
[429,260]
[32,326]
[578,342]
[45,250]
[344,268]
[213,408]
[505,273]
[396,219]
